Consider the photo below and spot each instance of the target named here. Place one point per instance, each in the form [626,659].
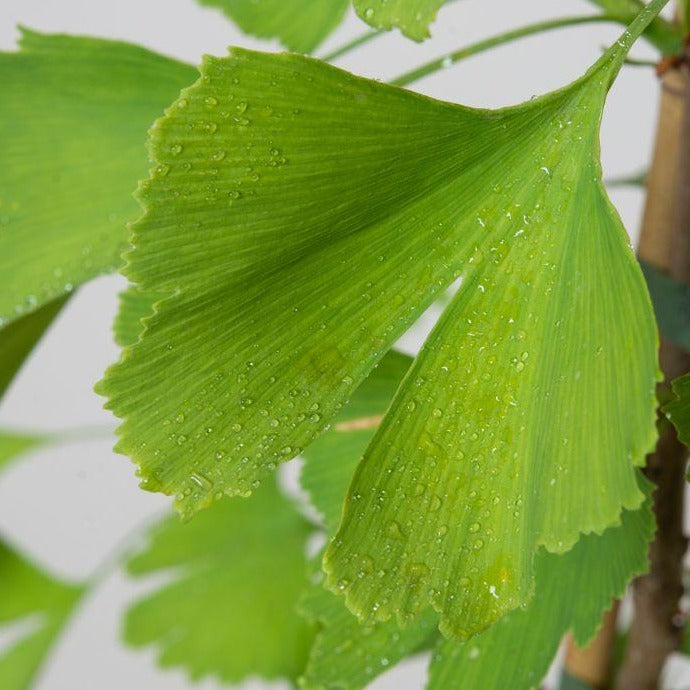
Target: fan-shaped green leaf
[572,591]
[522,362]
[34,606]
[412,17]
[300,25]
[230,608]
[74,113]
[300,219]
[678,410]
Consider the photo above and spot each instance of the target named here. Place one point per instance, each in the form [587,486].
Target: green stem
[84,433]
[351,45]
[634,62]
[494,41]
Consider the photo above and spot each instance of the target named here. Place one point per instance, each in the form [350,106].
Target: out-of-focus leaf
[237,571]
[73,119]
[347,655]
[34,607]
[14,444]
[309,259]
[572,591]
[300,25]
[412,17]
[671,300]
[19,338]
[678,410]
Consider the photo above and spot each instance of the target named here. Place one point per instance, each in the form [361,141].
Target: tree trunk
[657,627]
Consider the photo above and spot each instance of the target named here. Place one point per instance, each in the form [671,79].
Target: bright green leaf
[412,17]
[300,25]
[229,609]
[572,591]
[327,211]
[19,338]
[671,301]
[34,607]
[74,114]
[678,410]
[480,458]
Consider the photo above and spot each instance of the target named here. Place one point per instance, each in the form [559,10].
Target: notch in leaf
[299,220]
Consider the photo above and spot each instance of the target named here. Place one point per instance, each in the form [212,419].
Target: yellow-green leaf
[299,220]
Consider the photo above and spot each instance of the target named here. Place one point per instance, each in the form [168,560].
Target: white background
[68,507]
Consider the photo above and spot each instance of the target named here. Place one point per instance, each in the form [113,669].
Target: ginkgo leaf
[678,410]
[300,25]
[331,460]
[19,338]
[14,444]
[74,114]
[480,458]
[572,591]
[300,219]
[34,607]
[237,571]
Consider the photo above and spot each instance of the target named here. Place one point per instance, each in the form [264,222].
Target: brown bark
[592,664]
[657,627]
